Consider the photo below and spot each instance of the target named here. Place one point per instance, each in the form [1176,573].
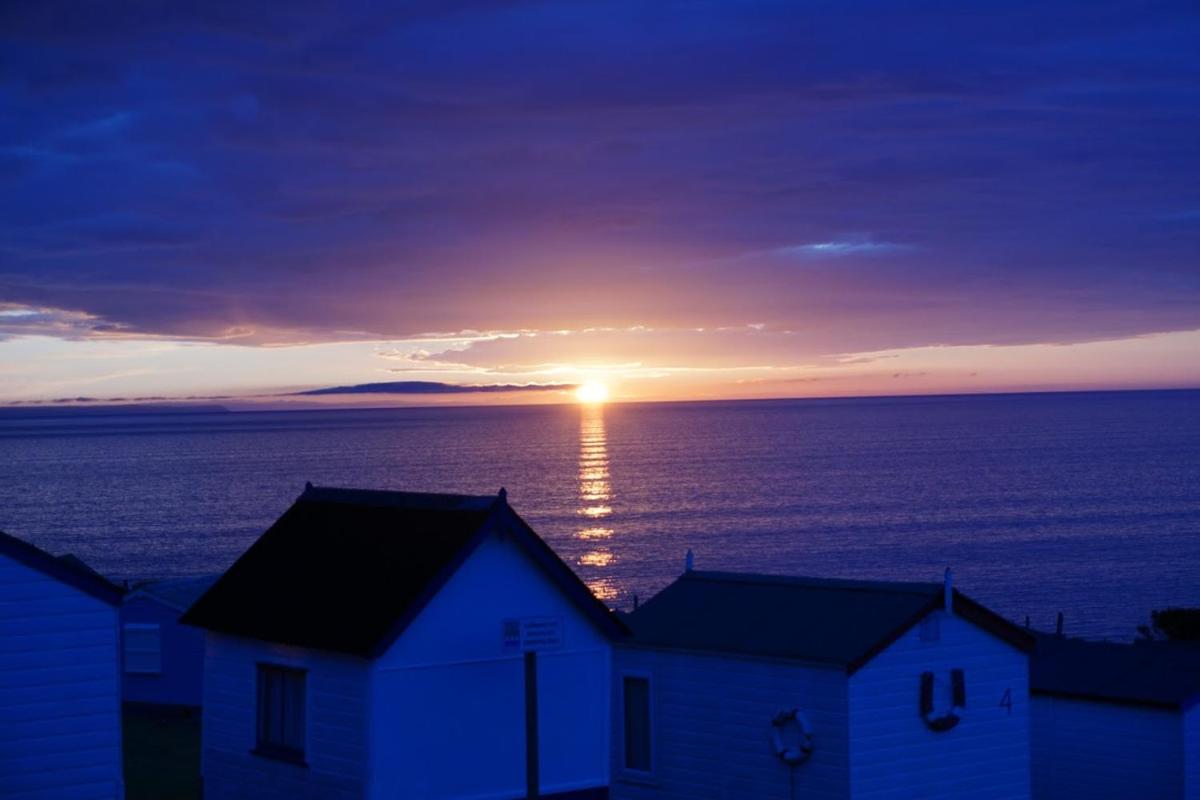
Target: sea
[1086,504]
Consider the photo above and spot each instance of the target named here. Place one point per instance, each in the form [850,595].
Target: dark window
[281,712]
[637,724]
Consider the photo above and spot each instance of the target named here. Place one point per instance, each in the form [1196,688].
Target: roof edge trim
[36,558]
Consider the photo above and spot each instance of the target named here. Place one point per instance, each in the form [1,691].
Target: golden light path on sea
[595,491]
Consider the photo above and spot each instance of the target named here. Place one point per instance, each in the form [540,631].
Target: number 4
[1006,700]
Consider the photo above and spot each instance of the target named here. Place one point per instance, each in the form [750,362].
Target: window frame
[651,723]
[143,627]
[276,750]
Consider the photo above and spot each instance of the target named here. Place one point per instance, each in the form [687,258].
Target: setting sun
[592,392]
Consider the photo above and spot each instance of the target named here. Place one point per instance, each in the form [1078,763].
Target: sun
[591,392]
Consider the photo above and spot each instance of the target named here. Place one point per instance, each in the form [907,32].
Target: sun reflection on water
[595,498]
[596,511]
[595,491]
[596,558]
[594,533]
[604,588]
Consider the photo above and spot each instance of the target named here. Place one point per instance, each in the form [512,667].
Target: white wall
[60,714]
[449,703]
[1105,751]
[892,752]
[711,734]
[181,677]
[336,712]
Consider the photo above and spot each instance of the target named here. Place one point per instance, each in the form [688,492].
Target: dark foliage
[1173,624]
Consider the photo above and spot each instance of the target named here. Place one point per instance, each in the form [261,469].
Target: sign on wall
[531,634]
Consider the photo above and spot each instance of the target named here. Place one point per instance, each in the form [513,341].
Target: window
[637,723]
[281,712]
[143,649]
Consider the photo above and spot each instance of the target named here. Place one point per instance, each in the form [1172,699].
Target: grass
[162,752]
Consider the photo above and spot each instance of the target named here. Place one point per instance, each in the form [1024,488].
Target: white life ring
[794,755]
[940,723]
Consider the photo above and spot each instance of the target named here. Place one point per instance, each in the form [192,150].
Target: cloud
[625,349]
[102,235]
[435,387]
[382,171]
[645,350]
[23,320]
[120,402]
[837,248]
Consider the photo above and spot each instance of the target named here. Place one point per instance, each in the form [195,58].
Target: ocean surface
[1087,503]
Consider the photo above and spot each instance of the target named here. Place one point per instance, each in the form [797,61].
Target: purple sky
[806,182]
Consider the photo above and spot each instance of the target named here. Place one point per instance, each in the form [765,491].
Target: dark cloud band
[1024,172]
[435,387]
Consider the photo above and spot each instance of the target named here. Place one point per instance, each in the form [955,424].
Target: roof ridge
[834,620]
[816,582]
[85,579]
[1150,673]
[378,565]
[448,501]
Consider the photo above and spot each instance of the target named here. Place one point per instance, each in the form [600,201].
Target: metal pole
[532,791]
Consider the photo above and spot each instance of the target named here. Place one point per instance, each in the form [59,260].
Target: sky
[678,199]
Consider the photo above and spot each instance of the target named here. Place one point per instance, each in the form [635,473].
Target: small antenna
[689,561]
[635,603]
[948,590]
[308,486]
[1058,625]
[503,495]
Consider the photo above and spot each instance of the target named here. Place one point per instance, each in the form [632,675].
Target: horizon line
[215,406]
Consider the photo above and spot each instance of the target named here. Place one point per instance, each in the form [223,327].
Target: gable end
[965,608]
[506,522]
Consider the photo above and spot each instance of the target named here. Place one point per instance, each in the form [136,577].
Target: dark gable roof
[347,570]
[69,569]
[839,623]
[1158,674]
